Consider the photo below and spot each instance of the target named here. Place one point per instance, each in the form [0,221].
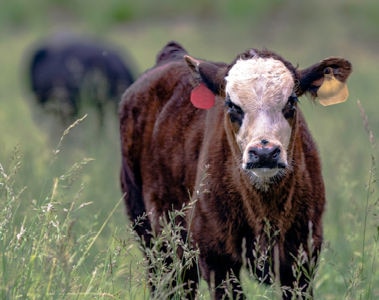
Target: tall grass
[51,245]
[362,283]
[349,266]
[42,255]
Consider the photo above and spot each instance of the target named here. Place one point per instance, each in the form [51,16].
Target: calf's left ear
[326,80]
[208,81]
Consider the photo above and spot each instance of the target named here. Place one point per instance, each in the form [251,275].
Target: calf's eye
[235,112]
[290,108]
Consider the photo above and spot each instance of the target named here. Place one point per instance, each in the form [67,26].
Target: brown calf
[249,162]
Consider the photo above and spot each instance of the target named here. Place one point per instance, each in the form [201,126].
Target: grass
[46,254]
[63,229]
[44,251]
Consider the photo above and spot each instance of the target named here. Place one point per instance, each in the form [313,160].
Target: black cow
[68,72]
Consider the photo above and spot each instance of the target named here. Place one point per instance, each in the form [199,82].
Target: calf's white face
[259,88]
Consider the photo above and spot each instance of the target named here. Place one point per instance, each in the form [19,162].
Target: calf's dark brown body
[171,150]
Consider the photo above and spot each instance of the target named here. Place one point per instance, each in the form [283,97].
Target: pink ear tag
[202,97]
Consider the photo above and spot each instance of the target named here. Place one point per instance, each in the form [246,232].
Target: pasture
[63,229]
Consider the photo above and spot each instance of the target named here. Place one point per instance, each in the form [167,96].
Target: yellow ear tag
[332,91]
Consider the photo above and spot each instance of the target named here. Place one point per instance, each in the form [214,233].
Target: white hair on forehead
[245,69]
[259,78]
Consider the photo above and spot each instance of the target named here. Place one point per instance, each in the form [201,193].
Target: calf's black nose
[264,157]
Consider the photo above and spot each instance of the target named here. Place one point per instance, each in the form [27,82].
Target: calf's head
[260,91]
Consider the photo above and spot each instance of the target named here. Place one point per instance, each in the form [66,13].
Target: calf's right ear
[209,81]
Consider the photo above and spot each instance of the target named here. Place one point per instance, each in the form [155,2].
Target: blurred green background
[304,32]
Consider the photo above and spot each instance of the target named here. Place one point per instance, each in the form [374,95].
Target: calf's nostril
[254,154]
[275,153]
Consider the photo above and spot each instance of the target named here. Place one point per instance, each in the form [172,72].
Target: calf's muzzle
[264,156]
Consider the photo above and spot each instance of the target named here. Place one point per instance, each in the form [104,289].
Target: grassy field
[63,230]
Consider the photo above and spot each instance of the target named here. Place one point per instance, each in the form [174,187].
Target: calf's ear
[208,81]
[326,80]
